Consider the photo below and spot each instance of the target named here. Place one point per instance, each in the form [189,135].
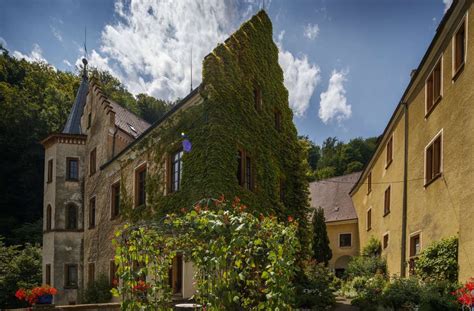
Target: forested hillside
[35,99]
[336,158]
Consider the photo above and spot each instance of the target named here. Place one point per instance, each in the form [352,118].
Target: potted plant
[37,295]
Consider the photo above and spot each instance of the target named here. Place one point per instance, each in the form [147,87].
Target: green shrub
[369,291]
[439,261]
[366,267]
[316,291]
[402,294]
[98,291]
[372,249]
[436,296]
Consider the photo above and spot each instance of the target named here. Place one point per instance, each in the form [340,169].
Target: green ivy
[227,120]
[242,262]
[439,261]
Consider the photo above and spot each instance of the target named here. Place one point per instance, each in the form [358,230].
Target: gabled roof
[332,195]
[73,123]
[128,121]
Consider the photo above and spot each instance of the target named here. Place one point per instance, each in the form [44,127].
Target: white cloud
[36,55]
[56,33]
[333,105]
[67,63]
[311,31]
[301,78]
[447,4]
[149,46]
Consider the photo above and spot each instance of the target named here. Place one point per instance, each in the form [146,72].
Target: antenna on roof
[85,41]
[191,68]
[84,60]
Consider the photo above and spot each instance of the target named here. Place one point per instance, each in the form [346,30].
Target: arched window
[71,217]
[48,218]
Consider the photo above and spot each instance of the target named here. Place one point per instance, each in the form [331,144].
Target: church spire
[73,123]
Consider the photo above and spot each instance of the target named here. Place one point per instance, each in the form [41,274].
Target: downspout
[405,200]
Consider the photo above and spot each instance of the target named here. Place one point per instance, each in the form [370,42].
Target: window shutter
[429,163]
[429,93]
[437,157]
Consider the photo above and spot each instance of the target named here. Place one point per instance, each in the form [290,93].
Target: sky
[346,63]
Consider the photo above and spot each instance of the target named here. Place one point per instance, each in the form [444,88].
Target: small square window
[459,49]
[345,240]
[433,155]
[48,274]
[386,206]
[369,183]
[369,219]
[176,171]
[50,171]
[389,152]
[92,161]
[92,211]
[72,169]
[91,273]
[257,94]
[71,276]
[278,126]
[433,88]
[115,202]
[140,186]
[385,241]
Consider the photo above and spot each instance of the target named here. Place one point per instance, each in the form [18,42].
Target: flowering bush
[32,295]
[242,262]
[465,294]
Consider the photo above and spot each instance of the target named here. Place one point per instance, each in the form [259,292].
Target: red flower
[141,286]
[31,296]
[290,219]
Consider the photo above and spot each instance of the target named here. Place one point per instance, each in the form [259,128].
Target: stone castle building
[109,166]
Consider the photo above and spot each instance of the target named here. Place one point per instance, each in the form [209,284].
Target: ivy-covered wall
[225,121]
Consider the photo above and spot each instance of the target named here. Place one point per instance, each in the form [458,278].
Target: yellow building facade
[417,189]
[332,195]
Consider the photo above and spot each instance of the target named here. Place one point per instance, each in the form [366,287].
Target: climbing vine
[242,262]
[225,120]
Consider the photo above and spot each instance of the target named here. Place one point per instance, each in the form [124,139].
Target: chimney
[412,73]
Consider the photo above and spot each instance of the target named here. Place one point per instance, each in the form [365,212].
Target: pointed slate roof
[73,123]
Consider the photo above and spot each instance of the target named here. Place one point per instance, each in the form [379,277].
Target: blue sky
[346,62]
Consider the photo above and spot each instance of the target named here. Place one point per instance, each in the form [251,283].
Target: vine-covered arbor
[242,262]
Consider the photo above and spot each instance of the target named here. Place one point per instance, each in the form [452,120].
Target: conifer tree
[321,251]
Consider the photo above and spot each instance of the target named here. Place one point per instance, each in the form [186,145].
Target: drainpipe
[405,201]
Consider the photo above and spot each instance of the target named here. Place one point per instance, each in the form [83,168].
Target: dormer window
[132,128]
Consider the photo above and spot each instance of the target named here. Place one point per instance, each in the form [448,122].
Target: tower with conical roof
[63,212]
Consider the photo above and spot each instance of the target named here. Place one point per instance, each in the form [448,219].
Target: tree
[321,251]
[150,108]
[18,268]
